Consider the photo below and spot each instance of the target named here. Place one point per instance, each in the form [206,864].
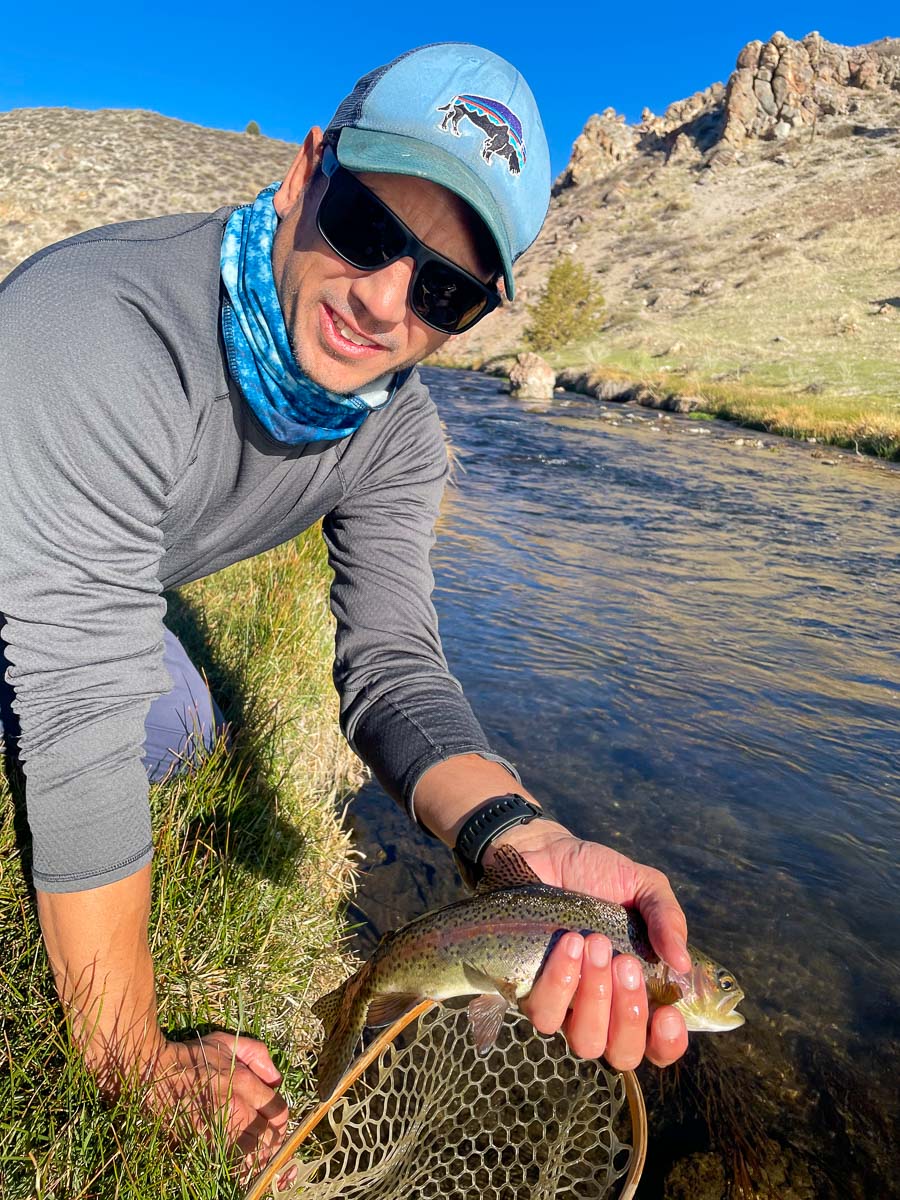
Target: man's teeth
[350,335]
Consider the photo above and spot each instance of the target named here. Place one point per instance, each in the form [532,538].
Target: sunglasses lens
[446,298]
[367,235]
[361,230]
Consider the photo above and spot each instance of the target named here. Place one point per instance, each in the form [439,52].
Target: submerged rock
[697,1177]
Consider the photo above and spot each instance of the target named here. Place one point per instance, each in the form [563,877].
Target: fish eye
[726,981]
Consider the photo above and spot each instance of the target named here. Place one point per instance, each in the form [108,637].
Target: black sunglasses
[366,234]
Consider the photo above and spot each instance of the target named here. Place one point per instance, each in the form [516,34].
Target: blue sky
[224,64]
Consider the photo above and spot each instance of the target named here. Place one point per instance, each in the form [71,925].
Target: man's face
[348,327]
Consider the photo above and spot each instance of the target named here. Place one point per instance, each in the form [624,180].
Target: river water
[691,650]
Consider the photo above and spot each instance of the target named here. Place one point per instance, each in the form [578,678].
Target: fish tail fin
[343,1013]
[327,1007]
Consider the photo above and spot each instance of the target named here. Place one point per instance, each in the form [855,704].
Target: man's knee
[183,724]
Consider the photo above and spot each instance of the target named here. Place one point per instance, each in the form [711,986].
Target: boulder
[672,402]
[532,378]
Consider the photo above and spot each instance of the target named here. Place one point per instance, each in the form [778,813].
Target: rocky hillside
[63,170]
[752,230]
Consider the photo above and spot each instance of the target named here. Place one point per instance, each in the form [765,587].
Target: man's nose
[384,292]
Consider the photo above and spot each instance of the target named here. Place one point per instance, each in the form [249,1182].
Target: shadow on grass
[241,822]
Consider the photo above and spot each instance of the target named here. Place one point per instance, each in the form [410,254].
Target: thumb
[665,919]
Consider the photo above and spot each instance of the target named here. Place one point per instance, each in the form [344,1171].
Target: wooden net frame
[290,1174]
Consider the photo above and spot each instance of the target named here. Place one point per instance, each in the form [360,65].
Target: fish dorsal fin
[508,869]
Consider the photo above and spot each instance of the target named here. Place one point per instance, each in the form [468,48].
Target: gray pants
[180,727]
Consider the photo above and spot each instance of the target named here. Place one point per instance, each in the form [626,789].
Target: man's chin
[348,379]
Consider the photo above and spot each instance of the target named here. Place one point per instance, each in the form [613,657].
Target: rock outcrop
[778,86]
[781,85]
[606,140]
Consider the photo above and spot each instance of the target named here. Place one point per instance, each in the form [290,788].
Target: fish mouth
[700,1017]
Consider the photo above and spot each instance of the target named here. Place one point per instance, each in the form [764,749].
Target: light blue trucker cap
[464,118]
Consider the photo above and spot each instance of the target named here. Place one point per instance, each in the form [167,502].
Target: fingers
[668,1036]
[628,1014]
[553,991]
[216,1079]
[253,1054]
[601,1001]
[253,1101]
[588,1024]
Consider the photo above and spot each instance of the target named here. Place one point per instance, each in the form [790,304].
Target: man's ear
[300,172]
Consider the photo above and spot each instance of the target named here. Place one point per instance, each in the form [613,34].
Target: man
[180,393]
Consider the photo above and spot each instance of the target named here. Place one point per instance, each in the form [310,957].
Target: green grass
[768,397]
[250,872]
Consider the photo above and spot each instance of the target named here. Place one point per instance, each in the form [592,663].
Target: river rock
[596,383]
[532,377]
[697,1177]
[672,402]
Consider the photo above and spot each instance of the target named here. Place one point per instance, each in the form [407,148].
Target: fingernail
[574,945]
[629,974]
[669,1026]
[598,952]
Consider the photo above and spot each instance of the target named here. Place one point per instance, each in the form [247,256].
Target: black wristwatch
[493,818]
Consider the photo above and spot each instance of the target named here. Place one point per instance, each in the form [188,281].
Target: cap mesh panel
[349,111]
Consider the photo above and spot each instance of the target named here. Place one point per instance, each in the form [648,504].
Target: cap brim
[396,154]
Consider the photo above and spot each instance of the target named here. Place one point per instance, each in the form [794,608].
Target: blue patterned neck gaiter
[288,405]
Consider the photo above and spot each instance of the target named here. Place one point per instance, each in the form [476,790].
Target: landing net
[423,1116]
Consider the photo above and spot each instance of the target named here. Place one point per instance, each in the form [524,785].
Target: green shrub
[253,128]
[570,308]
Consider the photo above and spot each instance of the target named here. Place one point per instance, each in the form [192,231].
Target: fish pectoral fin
[481,981]
[661,991]
[508,869]
[486,1013]
[387,1007]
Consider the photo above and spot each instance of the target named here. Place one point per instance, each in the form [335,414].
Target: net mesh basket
[424,1116]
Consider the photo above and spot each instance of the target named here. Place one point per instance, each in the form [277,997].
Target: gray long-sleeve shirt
[129,463]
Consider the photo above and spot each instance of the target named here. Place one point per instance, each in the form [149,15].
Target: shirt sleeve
[401,709]
[89,448]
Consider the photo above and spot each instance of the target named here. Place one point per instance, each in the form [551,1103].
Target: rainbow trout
[493,945]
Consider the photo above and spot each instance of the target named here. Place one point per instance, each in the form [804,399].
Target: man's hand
[97,944]
[225,1078]
[598,1001]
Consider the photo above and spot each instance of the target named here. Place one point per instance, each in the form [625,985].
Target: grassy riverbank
[250,871]
[866,422]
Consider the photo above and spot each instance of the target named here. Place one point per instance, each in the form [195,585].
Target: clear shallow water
[692,652]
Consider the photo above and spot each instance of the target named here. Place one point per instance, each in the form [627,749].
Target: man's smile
[343,339]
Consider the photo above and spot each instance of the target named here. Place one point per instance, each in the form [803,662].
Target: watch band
[478,831]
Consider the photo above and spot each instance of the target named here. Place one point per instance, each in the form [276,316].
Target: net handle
[639,1134]
[263,1185]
